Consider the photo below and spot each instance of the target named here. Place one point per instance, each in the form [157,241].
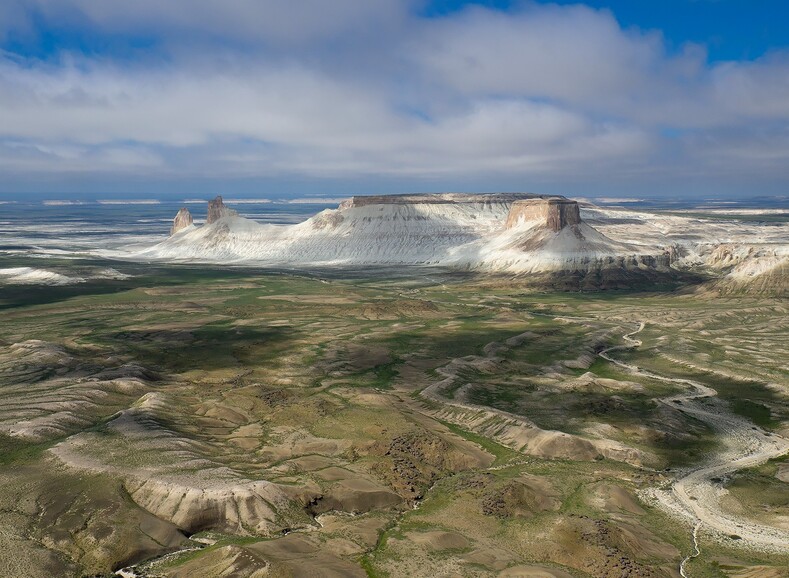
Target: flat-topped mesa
[436,199]
[217,210]
[182,220]
[555,212]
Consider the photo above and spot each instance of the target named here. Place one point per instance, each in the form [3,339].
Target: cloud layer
[541,96]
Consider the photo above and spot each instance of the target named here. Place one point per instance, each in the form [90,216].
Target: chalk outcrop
[518,233]
[182,220]
[759,269]
[547,239]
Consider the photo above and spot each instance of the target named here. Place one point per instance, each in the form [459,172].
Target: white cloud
[574,54]
[258,88]
[583,58]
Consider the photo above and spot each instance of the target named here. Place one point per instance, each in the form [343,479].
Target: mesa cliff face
[182,220]
[556,213]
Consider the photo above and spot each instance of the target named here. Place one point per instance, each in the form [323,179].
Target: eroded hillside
[233,423]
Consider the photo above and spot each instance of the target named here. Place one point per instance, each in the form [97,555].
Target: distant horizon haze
[109,199]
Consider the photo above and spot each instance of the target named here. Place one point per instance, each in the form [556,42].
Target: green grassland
[312,381]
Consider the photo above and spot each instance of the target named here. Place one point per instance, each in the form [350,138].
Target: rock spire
[181,221]
[217,210]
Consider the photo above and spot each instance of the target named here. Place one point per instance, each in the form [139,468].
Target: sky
[176,98]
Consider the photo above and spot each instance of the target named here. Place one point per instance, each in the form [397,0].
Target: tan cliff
[556,213]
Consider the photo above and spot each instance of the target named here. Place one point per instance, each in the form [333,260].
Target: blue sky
[629,98]
[730,29]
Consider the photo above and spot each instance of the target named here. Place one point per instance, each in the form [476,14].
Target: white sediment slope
[530,247]
[475,232]
[513,233]
[36,276]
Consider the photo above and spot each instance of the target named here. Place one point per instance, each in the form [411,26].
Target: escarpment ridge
[495,232]
[521,234]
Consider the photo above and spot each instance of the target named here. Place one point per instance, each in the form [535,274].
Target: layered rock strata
[556,213]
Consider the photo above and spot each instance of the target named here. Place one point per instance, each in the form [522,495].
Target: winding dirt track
[694,494]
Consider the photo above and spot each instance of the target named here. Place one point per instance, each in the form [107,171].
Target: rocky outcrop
[217,210]
[556,213]
[243,507]
[181,221]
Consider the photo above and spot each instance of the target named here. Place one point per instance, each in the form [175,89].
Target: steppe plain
[198,421]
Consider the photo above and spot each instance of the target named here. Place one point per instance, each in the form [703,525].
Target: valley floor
[196,422]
